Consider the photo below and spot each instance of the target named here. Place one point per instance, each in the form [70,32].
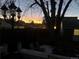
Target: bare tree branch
[60,8]
[45,12]
[53,5]
[43,7]
[66,7]
[37,2]
[32,5]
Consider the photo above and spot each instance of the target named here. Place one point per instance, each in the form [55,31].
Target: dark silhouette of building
[69,25]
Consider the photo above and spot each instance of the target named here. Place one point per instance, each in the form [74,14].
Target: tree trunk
[57,31]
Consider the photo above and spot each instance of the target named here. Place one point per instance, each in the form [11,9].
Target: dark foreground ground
[13,56]
[21,56]
[42,36]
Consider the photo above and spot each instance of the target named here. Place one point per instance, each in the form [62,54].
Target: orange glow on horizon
[36,20]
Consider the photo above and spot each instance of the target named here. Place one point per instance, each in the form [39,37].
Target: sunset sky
[35,13]
[24,4]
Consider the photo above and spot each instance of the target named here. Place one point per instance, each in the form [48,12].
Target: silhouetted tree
[52,19]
